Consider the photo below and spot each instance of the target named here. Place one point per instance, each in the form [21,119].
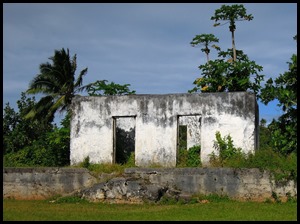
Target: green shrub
[131,160]
[282,167]
[228,154]
[190,157]
[193,155]
[30,156]
[85,163]
[51,150]
[182,158]
[225,147]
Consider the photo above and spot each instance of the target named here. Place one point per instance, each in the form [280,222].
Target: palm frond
[41,109]
[57,81]
[30,114]
[88,86]
[80,78]
[59,103]
[74,63]
[41,85]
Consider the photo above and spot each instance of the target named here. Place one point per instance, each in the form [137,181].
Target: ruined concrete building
[107,129]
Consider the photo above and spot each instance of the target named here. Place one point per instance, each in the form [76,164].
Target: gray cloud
[142,44]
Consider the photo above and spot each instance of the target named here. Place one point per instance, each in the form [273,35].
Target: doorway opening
[124,138]
[188,135]
[189,130]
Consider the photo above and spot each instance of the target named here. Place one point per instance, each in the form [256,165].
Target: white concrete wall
[90,136]
[156,118]
[241,131]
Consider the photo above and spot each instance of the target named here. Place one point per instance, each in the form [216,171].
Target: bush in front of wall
[226,151]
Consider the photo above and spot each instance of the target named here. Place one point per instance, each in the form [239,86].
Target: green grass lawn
[21,210]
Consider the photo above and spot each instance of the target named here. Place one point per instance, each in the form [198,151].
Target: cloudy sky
[146,45]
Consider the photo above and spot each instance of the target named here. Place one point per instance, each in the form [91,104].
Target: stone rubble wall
[138,185]
[42,183]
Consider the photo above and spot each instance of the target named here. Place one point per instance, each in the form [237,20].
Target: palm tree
[57,82]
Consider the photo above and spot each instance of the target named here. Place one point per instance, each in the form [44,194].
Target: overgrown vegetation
[116,168]
[283,167]
[284,89]
[189,157]
[31,139]
[226,150]
[231,72]
[33,142]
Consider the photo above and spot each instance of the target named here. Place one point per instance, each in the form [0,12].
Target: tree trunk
[233,46]
[207,57]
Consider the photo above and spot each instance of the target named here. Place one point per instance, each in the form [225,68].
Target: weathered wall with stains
[157,118]
[41,183]
[137,184]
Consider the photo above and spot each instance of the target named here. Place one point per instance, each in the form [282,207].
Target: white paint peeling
[156,119]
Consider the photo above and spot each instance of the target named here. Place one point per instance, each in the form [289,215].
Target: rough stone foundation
[137,185]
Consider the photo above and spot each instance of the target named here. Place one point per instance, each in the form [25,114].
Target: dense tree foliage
[233,71]
[264,136]
[221,75]
[19,132]
[284,89]
[32,142]
[101,87]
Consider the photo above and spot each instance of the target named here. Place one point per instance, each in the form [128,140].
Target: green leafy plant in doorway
[189,157]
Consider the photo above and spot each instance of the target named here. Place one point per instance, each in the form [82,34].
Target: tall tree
[57,82]
[284,89]
[205,40]
[231,14]
[233,70]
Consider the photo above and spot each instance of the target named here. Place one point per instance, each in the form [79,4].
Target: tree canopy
[206,40]
[233,70]
[230,14]
[57,82]
[284,89]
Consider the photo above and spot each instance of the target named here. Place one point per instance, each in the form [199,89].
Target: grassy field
[19,210]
